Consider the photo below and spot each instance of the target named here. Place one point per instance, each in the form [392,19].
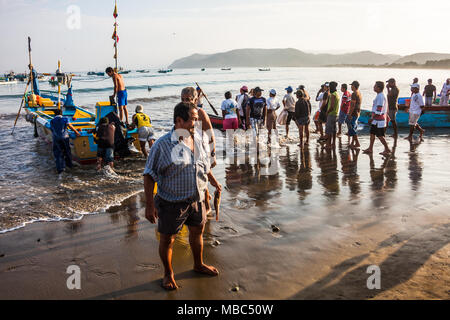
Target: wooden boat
[7,82]
[226,69]
[203,69]
[433,117]
[164,70]
[142,71]
[92,73]
[264,69]
[216,121]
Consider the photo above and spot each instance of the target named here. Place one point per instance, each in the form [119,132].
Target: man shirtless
[120,91]
[190,95]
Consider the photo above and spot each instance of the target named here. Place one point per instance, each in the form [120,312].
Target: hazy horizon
[154,34]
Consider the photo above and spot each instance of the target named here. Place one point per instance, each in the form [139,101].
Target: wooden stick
[21,104]
[204,94]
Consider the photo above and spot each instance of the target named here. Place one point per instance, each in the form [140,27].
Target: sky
[153,33]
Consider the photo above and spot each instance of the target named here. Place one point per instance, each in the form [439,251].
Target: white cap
[272,91]
[139,108]
[415,85]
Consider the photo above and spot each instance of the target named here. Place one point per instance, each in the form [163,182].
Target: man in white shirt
[445,93]
[272,105]
[415,110]
[378,120]
[289,106]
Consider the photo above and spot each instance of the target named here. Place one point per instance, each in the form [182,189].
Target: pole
[59,84]
[21,104]
[30,64]
[210,104]
[115,33]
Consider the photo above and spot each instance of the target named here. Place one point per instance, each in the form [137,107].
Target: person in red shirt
[345,107]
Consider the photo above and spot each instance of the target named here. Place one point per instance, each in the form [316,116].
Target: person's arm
[207,126]
[265,114]
[71,127]
[434,94]
[151,214]
[116,85]
[333,100]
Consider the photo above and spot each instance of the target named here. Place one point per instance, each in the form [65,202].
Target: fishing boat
[203,69]
[435,116]
[142,71]
[216,121]
[226,69]
[6,81]
[164,70]
[93,73]
[264,69]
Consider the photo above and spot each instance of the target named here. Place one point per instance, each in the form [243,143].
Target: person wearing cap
[302,116]
[242,100]
[415,110]
[378,120]
[332,113]
[289,106]
[392,97]
[354,112]
[323,109]
[256,111]
[445,93]
[230,112]
[429,93]
[345,107]
[143,123]
[272,106]
[302,87]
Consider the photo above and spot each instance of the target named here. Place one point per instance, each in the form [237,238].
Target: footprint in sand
[142,267]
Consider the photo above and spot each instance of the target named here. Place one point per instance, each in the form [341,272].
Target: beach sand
[387,215]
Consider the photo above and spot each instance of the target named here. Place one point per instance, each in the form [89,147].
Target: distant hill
[422,58]
[279,58]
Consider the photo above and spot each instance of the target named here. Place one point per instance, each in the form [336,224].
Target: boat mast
[58,71]
[115,37]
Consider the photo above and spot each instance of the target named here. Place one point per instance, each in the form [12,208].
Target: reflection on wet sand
[304,175]
[415,166]
[329,178]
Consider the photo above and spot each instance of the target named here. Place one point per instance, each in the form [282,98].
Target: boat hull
[434,117]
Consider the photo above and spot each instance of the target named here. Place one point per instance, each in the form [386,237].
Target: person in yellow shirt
[145,131]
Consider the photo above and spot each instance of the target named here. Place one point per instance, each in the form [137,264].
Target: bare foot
[208,270]
[368,151]
[385,152]
[168,282]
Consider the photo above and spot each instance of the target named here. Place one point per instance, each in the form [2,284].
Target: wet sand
[337,214]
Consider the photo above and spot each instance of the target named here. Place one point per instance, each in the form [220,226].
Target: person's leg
[394,126]
[67,153]
[422,131]
[143,148]
[411,132]
[196,242]
[207,203]
[57,153]
[372,141]
[125,110]
[121,113]
[99,163]
[300,134]
[386,147]
[307,133]
[165,253]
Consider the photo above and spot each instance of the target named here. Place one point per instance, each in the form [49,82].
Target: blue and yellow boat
[40,106]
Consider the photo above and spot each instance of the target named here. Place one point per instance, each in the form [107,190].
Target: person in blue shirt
[61,146]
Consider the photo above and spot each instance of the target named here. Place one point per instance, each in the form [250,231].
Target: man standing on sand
[272,106]
[415,110]
[345,107]
[355,110]
[392,98]
[445,93]
[242,100]
[302,116]
[429,93]
[179,163]
[121,92]
[332,112]
[323,110]
[378,120]
[289,106]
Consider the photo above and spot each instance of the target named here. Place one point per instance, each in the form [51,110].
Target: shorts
[146,134]
[330,127]
[291,116]
[230,123]
[323,116]
[316,116]
[352,125]
[122,98]
[173,215]
[271,120]
[392,114]
[302,121]
[413,119]
[428,101]
[379,132]
[342,117]
[107,154]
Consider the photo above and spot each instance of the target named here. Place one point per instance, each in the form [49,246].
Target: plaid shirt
[180,173]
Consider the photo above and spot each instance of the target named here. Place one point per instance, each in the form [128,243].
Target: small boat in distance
[226,69]
[203,69]
[142,71]
[92,73]
[164,70]
[264,69]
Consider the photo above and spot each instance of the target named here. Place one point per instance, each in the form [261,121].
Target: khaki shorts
[413,119]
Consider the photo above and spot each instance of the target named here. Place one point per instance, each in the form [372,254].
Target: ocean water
[31,191]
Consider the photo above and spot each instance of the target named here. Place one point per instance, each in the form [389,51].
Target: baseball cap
[415,85]
[391,80]
[272,91]
[327,84]
[244,88]
[289,89]
[301,87]
[257,89]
